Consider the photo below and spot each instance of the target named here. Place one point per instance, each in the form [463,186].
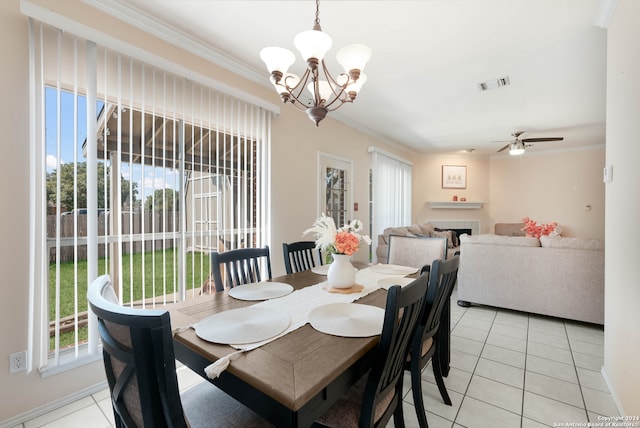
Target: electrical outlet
[18,362]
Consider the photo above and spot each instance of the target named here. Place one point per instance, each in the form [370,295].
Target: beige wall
[427,182]
[622,293]
[549,187]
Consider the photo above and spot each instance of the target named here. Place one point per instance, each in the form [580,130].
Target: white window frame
[38,344]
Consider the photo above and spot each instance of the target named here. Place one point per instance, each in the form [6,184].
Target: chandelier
[325,93]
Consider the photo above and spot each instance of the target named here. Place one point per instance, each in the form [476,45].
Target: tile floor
[508,369]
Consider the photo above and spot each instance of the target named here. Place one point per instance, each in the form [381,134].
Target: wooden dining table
[289,381]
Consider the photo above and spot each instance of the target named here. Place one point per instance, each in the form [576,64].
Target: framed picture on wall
[454,177]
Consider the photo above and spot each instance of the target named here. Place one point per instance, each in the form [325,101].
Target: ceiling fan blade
[537,140]
[504,148]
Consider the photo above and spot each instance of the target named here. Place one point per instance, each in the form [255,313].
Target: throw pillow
[455,242]
[400,231]
[444,234]
[426,228]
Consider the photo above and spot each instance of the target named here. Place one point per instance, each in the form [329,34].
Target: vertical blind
[391,189]
[138,172]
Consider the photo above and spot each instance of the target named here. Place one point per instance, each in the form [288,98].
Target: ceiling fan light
[353,57]
[277,59]
[516,149]
[312,44]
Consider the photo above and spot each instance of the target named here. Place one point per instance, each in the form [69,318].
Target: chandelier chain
[317,20]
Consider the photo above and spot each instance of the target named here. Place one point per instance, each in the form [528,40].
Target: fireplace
[470,227]
[461,231]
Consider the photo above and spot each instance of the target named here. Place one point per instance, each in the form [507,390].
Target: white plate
[387,283]
[393,269]
[260,291]
[243,325]
[347,319]
[320,270]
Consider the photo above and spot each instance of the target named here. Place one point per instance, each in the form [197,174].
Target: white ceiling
[428,58]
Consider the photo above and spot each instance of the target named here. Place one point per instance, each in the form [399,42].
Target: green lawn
[153,279]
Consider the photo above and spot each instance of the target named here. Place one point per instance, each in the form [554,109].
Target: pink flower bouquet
[535,230]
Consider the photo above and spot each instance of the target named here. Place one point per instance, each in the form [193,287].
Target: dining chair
[416,251]
[242,266]
[424,348]
[302,255]
[139,362]
[373,399]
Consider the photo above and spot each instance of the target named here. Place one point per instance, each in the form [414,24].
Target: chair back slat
[302,255]
[238,267]
[403,311]
[442,278]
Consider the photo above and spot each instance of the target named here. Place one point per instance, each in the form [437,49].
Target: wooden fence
[132,224]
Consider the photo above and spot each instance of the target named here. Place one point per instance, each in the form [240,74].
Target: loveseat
[556,276]
[426,229]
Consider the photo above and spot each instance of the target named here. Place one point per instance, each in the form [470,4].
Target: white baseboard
[41,410]
[612,391]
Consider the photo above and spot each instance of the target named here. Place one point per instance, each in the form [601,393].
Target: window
[391,191]
[139,173]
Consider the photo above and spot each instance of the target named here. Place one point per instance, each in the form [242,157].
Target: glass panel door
[335,192]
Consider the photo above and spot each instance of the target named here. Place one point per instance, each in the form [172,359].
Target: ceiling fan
[518,145]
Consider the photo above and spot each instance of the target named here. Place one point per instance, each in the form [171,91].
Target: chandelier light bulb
[357,85]
[353,57]
[313,44]
[277,59]
[324,88]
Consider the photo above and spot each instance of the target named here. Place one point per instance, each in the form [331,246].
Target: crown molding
[605,13]
[135,17]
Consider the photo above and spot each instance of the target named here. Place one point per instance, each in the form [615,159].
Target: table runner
[298,305]
[301,302]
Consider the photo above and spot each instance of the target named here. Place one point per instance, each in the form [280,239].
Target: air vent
[493,84]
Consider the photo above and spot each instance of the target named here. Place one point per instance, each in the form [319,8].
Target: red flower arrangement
[346,243]
[535,230]
[345,240]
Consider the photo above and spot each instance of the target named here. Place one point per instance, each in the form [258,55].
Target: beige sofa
[556,276]
[426,229]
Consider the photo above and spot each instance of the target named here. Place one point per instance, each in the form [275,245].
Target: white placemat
[347,319]
[242,326]
[260,291]
[387,283]
[393,269]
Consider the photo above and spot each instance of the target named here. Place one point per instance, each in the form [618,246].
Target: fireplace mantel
[457,205]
